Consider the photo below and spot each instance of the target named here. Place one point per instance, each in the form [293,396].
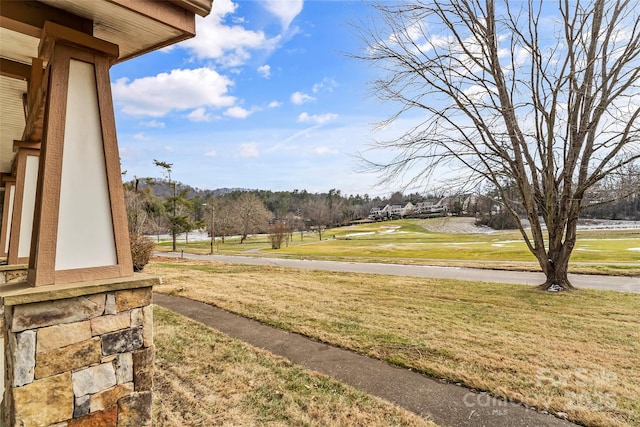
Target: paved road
[613,283]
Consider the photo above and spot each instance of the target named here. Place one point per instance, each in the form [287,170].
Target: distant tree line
[165,206]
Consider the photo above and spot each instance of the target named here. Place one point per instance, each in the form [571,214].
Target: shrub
[499,221]
[278,232]
[141,250]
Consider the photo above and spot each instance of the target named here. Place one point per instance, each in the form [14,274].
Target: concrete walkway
[445,404]
[587,281]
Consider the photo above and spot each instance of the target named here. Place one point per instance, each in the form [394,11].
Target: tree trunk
[173,232]
[556,269]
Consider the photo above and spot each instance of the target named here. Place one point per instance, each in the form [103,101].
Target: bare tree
[144,210]
[546,95]
[225,217]
[294,222]
[251,215]
[135,202]
[335,203]
[317,215]
[278,233]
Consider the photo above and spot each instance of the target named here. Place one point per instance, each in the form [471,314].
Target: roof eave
[199,7]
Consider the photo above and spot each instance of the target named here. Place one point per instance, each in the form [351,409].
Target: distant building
[431,206]
[378,212]
[402,210]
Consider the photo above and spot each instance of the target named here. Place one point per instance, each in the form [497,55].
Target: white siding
[7,232]
[28,206]
[85,227]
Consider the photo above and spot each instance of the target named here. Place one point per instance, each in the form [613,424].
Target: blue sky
[266,97]
[263,97]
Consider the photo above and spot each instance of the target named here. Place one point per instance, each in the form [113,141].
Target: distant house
[463,204]
[392,211]
[431,206]
[382,211]
[402,210]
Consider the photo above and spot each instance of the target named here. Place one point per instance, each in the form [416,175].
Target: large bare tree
[317,215]
[542,94]
[251,215]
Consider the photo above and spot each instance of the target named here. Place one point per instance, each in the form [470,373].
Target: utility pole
[212,228]
[213,233]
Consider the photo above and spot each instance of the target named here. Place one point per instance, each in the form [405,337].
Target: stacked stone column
[84,360]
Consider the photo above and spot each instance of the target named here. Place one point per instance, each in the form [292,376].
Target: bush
[141,250]
[499,221]
[278,232]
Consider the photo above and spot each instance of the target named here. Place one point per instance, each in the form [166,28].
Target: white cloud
[300,98]
[477,93]
[274,104]
[228,45]
[285,10]
[322,151]
[265,71]
[327,84]
[153,124]
[186,89]
[316,118]
[211,153]
[141,137]
[237,113]
[199,115]
[249,150]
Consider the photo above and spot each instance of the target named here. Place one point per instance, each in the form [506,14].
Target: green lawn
[574,352]
[204,378]
[409,241]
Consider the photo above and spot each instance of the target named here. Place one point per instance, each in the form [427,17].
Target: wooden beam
[6,178]
[53,33]
[35,111]
[28,17]
[164,12]
[32,145]
[14,70]
[35,80]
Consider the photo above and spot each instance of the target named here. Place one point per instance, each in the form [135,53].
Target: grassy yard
[204,378]
[576,352]
[412,242]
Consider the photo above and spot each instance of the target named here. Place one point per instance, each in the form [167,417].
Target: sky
[267,96]
[264,97]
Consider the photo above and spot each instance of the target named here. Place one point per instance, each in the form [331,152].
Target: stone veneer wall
[9,274]
[80,361]
[12,274]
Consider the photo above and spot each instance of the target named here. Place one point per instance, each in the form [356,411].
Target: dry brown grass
[204,378]
[577,352]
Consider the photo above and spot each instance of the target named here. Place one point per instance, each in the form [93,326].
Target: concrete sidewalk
[445,404]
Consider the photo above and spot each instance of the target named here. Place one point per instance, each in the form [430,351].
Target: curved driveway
[612,283]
